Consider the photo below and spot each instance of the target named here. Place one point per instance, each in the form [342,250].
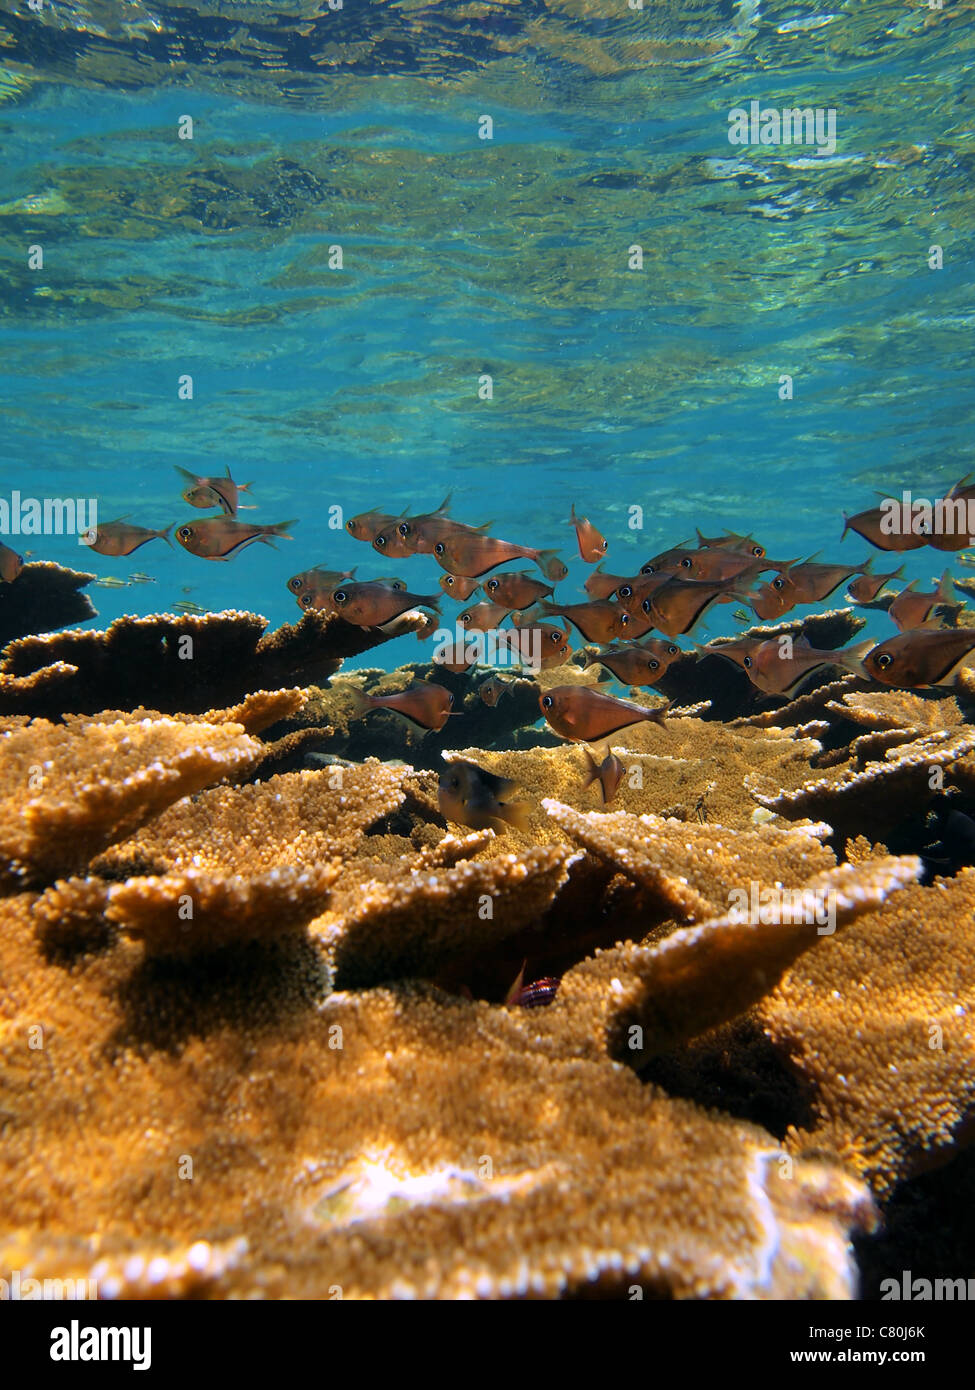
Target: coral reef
[42,598]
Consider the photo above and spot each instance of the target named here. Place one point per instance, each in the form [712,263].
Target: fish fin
[361,702]
[517,814]
[241,507]
[187,474]
[444,505]
[868,567]
[545,556]
[960,483]
[946,589]
[909,587]
[573,519]
[898,573]
[657,714]
[851,658]
[516,988]
[164,534]
[846,526]
[280,529]
[592,770]
[548,610]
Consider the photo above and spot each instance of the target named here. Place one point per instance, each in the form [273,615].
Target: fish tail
[572,515]
[549,610]
[946,589]
[851,658]
[279,529]
[898,573]
[846,526]
[164,534]
[361,702]
[516,813]
[592,770]
[542,557]
[430,601]
[657,714]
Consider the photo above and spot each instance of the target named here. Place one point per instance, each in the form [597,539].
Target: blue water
[357,388]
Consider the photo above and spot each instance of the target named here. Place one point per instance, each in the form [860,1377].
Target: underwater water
[375,255]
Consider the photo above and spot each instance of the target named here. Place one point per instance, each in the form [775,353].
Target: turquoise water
[358,388]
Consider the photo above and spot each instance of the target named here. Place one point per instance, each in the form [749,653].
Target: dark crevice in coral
[736,1069]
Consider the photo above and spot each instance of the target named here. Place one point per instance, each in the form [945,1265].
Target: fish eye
[448,579]
[438,549]
[649,569]
[492,584]
[295,584]
[404,528]
[380,541]
[884,660]
[758,551]
[672,650]
[450,698]
[686,563]
[653,663]
[339,596]
[778,583]
[625,590]
[546,702]
[185,532]
[307,600]
[555,637]
[645,605]
[624,619]
[747,661]
[351,525]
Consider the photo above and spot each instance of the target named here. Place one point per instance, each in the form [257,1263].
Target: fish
[554,568]
[472,554]
[911,609]
[120,537]
[186,606]
[712,564]
[458,587]
[515,589]
[416,535]
[868,585]
[367,525]
[679,604]
[770,602]
[641,663]
[456,658]
[483,617]
[313,588]
[532,996]
[528,639]
[630,595]
[600,585]
[11,563]
[920,657]
[868,525]
[424,704]
[111,582]
[745,545]
[220,537]
[583,715]
[142,579]
[491,690]
[213,492]
[609,774]
[592,546]
[470,795]
[373,603]
[777,668]
[598,621]
[811,583]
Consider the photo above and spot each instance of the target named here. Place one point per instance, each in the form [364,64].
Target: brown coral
[43,597]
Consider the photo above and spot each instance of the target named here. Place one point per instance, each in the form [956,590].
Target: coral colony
[421,864]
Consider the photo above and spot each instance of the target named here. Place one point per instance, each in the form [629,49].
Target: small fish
[456,657]
[372,603]
[10,563]
[491,690]
[642,663]
[142,579]
[415,535]
[473,554]
[592,546]
[910,609]
[586,716]
[967,560]
[660,563]
[110,582]
[745,545]
[367,525]
[532,996]
[678,605]
[609,774]
[213,492]
[630,595]
[920,657]
[598,620]
[313,588]
[548,644]
[220,537]
[869,525]
[515,589]
[458,587]
[778,668]
[714,564]
[469,795]
[768,602]
[600,585]
[424,705]
[740,616]
[483,617]
[120,537]
[185,606]
[811,583]
[868,585]
[554,568]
